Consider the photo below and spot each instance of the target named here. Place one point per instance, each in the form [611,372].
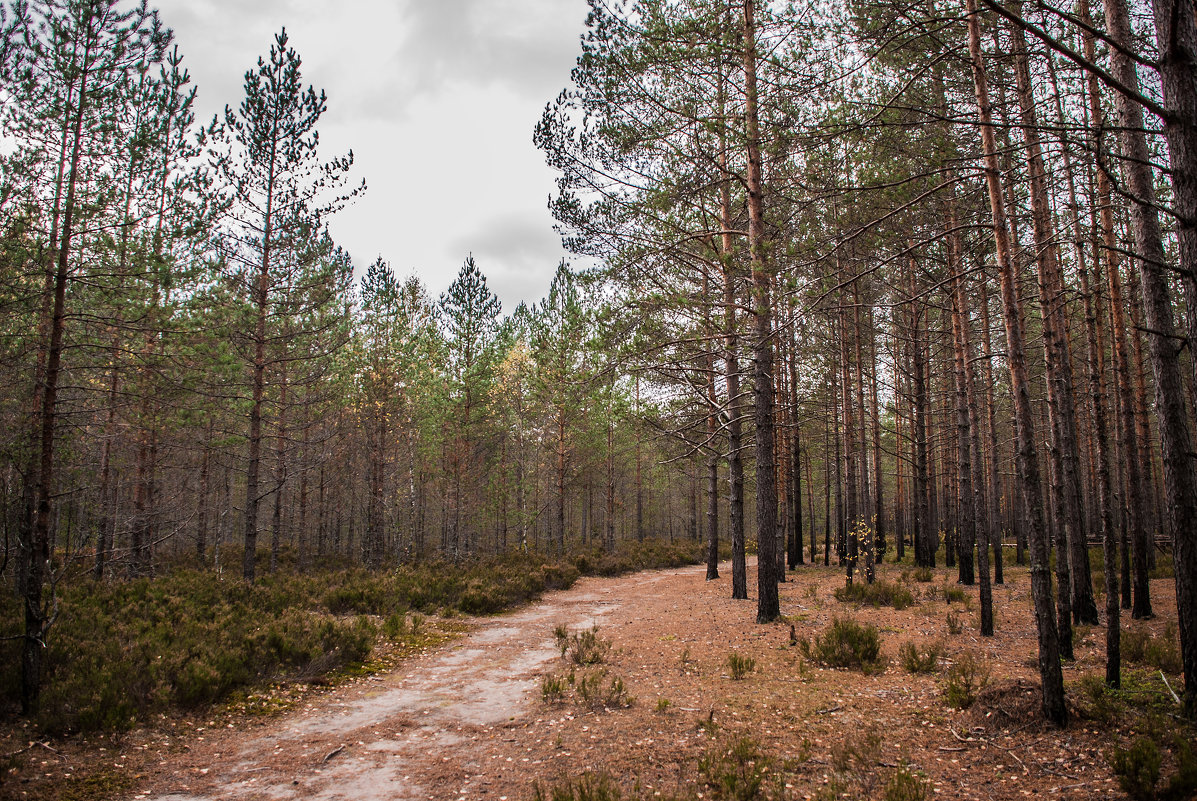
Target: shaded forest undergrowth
[121,651]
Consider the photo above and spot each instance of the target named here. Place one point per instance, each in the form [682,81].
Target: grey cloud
[526,46]
[517,255]
[414,48]
[221,45]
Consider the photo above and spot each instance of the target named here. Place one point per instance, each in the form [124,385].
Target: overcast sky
[437,99]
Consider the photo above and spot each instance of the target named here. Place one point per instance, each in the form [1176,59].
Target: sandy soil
[467,720]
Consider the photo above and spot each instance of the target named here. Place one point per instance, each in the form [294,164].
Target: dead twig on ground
[33,745]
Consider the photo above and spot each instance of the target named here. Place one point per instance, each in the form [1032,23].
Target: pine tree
[272,243]
[1027,454]
[558,337]
[470,314]
[65,76]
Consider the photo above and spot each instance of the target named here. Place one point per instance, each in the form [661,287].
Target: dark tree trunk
[796,538]
[966,519]
[712,461]
[205,480]
[107,491]
[257,390]
[924,553]
[280,477]
[639,477]
[1061,404]
[768,607]
[36,561]
[993,477]
[879,544]
[561,482]
[852,544]
[1149,247]
[1176,33]
[841,529]
[731,362]
[972,491]
[826,492]
[865,495]
[1097,394]
[609,539]
[901,501]
[1051,676]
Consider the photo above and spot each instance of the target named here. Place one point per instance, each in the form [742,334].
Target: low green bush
[740,665]
[967,676]
[588,787]
[877,594]
[598,689]
[119,651]
[920,660]
[1140,646]
[395,627]
[553,688]
[736,770]
[906,784]
[846,643]
[584,647]
[633,556]
[953,594]
[1138,770]
[1099,702]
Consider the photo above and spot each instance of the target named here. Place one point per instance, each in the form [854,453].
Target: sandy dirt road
[443,725]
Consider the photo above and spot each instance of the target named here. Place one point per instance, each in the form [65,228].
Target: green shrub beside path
[122,650]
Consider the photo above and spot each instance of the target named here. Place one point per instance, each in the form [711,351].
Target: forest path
[441,725]
[465,721]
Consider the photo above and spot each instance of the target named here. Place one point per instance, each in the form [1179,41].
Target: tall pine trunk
[712,451]
[879,544]
[865,494]
[1149,247]
[257,391]
[36,560]
[768,607]
[992,474]
[851,512]
[924,553]
[731,363]
[1176,33]
[1027,458]
[280,476]
[796,539]
[1061,396]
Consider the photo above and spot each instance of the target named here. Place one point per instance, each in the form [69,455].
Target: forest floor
[467,719]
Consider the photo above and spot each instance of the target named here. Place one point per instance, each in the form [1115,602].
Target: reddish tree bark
[1027,458]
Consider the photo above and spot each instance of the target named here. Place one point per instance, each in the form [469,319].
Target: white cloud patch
[514,254]
[525,44]
[437,99]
